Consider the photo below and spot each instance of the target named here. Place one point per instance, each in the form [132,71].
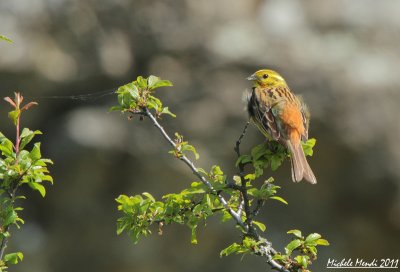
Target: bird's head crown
[267,78]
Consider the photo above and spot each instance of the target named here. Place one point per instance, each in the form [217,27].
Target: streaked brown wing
[262,115]
[305,114]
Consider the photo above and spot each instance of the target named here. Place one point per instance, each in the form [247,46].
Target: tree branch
[191,165]
[3,243]
[266,250]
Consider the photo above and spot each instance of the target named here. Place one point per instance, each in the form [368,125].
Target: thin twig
[3,243]
[266,249]
[246,201]
[196,172]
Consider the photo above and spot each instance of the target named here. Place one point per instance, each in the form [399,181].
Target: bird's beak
[252,77]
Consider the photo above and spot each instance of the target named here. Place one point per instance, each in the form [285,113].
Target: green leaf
[293,245]
[260,225]
[116,108]
[296,233]
[322,242]
[141,82]
[38,187]
[312,238]
[35,154]
[27,136]
[233,248]
[6,147]
[308,146]
[276,161]
[302,260]
[149,196]
[226,216]
[10,218]
[166,111]
[4,38]
[250,177]
[258,151]
[243,159]
[14,115]
[188,147]
[13,258]
[154,82]
[280,199]
[193,236]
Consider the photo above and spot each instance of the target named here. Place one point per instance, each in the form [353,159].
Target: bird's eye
[265,76]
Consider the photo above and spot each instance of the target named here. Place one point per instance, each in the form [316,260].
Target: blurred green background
[342,55]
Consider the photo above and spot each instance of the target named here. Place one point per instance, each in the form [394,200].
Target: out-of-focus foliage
[18,167]
[4,38]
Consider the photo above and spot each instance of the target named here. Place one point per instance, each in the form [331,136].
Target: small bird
[281,116]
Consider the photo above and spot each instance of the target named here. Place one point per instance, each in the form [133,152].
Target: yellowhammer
[282,116]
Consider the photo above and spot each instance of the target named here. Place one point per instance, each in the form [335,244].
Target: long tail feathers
[300,167]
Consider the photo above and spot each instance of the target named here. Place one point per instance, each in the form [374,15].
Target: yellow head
[267,78]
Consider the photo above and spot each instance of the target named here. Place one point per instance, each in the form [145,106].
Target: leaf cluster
[21,163]
[305,249]
[189,207]
[134,97]
[271,155]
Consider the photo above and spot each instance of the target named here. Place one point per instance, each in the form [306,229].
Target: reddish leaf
[30,104]
[9,100]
